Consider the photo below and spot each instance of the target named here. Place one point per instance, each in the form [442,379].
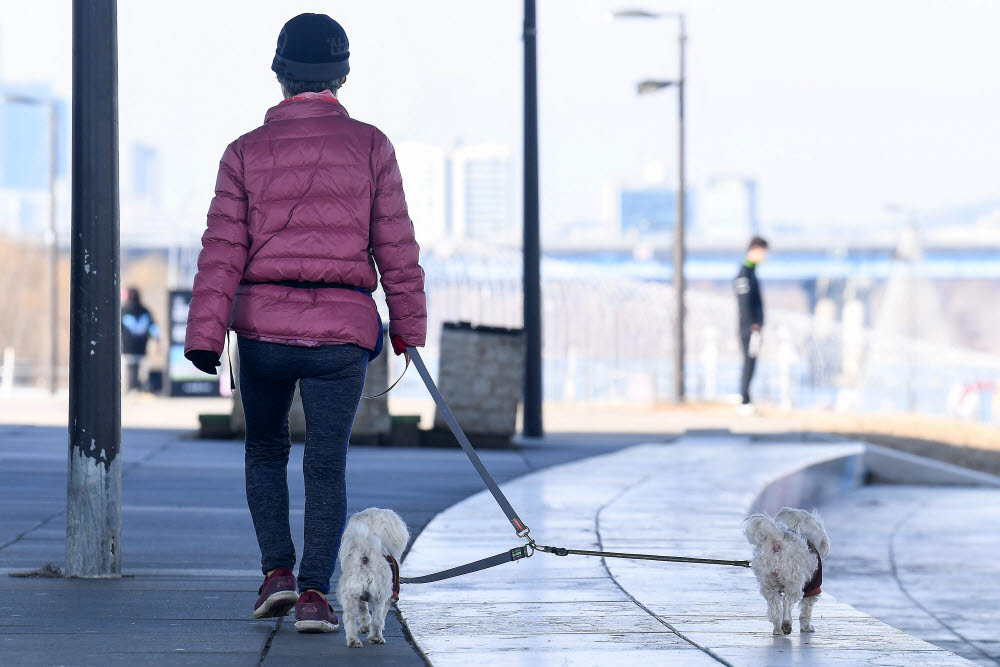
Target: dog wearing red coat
[788,553]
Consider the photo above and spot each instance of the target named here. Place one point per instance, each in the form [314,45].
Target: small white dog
[788,553]
[370,550]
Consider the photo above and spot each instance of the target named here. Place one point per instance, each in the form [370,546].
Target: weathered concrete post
[93,499]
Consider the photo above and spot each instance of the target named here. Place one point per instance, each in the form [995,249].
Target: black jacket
[137,327]
[748,297]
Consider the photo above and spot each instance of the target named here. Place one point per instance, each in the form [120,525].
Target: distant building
[145,172]
[482,192]
[728,208]
[24,138]
[425,179]
[144,222]
[25,159]
[648,211]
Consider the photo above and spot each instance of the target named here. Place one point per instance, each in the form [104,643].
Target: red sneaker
[314,614]
[277,595]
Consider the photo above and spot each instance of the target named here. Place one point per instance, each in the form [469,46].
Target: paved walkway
[687,499]
[190,558]
[923,559]
[192,572]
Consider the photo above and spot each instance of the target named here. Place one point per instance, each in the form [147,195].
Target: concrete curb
[895,467]
[814,484]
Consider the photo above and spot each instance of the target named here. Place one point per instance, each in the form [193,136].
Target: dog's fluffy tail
[757,527]
[809,525]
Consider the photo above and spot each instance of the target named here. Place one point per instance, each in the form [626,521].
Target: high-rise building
[144,222]
[25,157]
[729,208]
[648,211]
[145,172]
[481,193]
[424,170]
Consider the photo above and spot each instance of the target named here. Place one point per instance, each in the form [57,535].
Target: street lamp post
[650,86]
[532,417]
[94,485]
[52,366]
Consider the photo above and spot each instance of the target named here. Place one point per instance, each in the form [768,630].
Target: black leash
[561,551]
[393,385]
[517,553]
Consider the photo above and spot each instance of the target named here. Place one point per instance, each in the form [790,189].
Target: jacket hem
[299,342]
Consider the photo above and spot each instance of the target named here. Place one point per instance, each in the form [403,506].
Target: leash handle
[449,418]
[517,553]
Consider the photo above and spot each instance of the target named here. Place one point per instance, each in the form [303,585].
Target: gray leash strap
[517,553]
[561,551]
[449,418]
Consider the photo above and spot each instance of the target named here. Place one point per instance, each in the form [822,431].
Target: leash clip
[517,553]
[558,551]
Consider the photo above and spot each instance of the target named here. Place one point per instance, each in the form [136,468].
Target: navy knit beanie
[311,47]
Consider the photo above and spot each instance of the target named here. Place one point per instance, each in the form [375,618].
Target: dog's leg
[378,610]
[774,611]
[351,620]
[805,614]
[788,603]
[365,617]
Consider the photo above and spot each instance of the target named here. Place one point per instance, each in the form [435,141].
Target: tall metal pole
[93,502]
[53,258]
[532,250]
[679,225]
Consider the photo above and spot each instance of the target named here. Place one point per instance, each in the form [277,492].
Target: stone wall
[481,376]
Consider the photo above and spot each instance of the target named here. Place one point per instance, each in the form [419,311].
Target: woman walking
[305,208]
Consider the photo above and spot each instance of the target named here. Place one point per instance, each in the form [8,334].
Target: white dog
[788,553]
[370,550]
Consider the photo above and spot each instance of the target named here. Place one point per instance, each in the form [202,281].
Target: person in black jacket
[137,328]
[751,311]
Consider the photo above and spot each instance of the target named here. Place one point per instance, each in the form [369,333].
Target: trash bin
[481,376]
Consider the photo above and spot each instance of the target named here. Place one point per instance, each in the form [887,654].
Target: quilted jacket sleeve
[222,259]
[395,250]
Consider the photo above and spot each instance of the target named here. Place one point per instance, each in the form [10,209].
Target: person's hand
[399,345]
[755,327]
[204,361]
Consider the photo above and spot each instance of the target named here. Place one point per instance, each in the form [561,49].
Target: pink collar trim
[325,95]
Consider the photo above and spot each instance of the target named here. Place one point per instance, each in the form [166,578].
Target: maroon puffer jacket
[311,196]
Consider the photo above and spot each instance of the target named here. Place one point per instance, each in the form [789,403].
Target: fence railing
[610,341]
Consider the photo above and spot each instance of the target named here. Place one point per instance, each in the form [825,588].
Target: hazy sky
[836,108]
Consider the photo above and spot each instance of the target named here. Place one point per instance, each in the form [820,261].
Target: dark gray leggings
[330,379]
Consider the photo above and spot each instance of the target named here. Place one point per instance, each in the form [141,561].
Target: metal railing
[609,340]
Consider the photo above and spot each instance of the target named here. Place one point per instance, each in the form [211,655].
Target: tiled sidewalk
[685,499]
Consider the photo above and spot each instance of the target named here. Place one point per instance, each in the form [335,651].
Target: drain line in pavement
[600,545]
[895,575]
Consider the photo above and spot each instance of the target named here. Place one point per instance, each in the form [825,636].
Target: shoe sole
[316,626]
[277,605]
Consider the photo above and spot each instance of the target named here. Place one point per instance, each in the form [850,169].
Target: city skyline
[808,101]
